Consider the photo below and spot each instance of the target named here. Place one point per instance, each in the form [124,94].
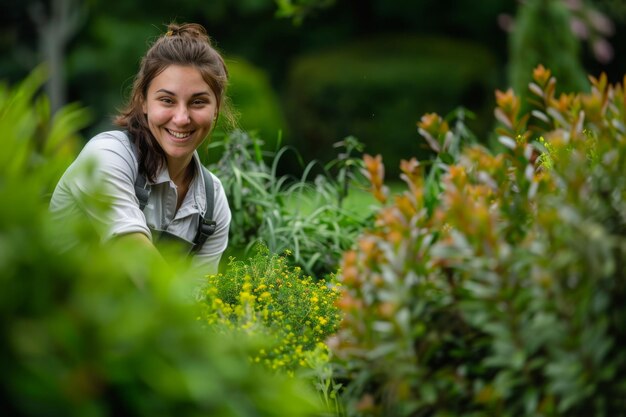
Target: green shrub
[374,88]
[507,297]
[265,296]
[530,44]
[255,101]
[103,330]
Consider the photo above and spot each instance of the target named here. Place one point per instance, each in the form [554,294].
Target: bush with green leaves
[506,296]
[305,215]
[254,102]
[104,330]
[266,296]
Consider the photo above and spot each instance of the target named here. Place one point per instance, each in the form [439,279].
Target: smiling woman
[152,176]
[180,109]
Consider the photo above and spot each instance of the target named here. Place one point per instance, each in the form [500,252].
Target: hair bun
[192,30]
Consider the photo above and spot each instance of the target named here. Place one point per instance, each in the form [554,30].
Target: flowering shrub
[506,296]
[265,296]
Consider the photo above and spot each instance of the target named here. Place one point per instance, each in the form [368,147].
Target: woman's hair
[186,44]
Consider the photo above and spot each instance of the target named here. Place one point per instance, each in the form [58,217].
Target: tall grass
[314,215]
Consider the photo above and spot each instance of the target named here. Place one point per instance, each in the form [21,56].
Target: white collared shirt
[117,167]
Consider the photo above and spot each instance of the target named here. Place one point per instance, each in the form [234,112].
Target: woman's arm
[103,175]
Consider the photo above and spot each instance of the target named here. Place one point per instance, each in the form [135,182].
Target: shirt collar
[196,188]
[163,175]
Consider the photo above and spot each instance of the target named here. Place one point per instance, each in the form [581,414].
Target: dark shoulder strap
[206,224]
[210,193]
[141,191]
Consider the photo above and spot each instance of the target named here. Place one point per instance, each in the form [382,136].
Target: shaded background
[368,68]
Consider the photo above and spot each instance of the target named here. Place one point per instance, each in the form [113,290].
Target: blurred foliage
[298,10]
[266,296]
[305,215]
[542,35]
[375,88]
[118,43]
[103,330]
[507,297]
[35,139]
[615,8]
[255,101]
[104,53]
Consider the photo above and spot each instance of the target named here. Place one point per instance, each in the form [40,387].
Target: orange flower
[508,102]
[541,75]
[375,172]
[433,124]
[405,206]
[374,167]
[411,169]
[367,246]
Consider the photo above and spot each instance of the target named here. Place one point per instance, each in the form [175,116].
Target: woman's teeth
[179,135]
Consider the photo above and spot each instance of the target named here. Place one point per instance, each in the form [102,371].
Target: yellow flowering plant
[267,297]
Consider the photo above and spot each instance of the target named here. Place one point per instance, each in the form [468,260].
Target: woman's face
[180,108]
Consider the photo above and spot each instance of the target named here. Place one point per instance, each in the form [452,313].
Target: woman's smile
[179,135]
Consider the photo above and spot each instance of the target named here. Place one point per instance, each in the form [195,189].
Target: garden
[482,275]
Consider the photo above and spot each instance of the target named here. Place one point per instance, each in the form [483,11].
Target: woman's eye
[166,100]
[198,102]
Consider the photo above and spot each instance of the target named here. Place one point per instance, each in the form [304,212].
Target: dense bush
[103,330]
[374,88]
[506,297]
[265,296]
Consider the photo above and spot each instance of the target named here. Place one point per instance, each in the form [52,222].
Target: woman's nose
[181,116]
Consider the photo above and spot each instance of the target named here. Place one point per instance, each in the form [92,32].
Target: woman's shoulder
[116,139]
[111,149]
[113,142]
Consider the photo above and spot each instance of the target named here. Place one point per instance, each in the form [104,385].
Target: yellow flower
[246,297]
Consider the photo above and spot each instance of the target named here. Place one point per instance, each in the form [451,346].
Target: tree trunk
[55,29]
